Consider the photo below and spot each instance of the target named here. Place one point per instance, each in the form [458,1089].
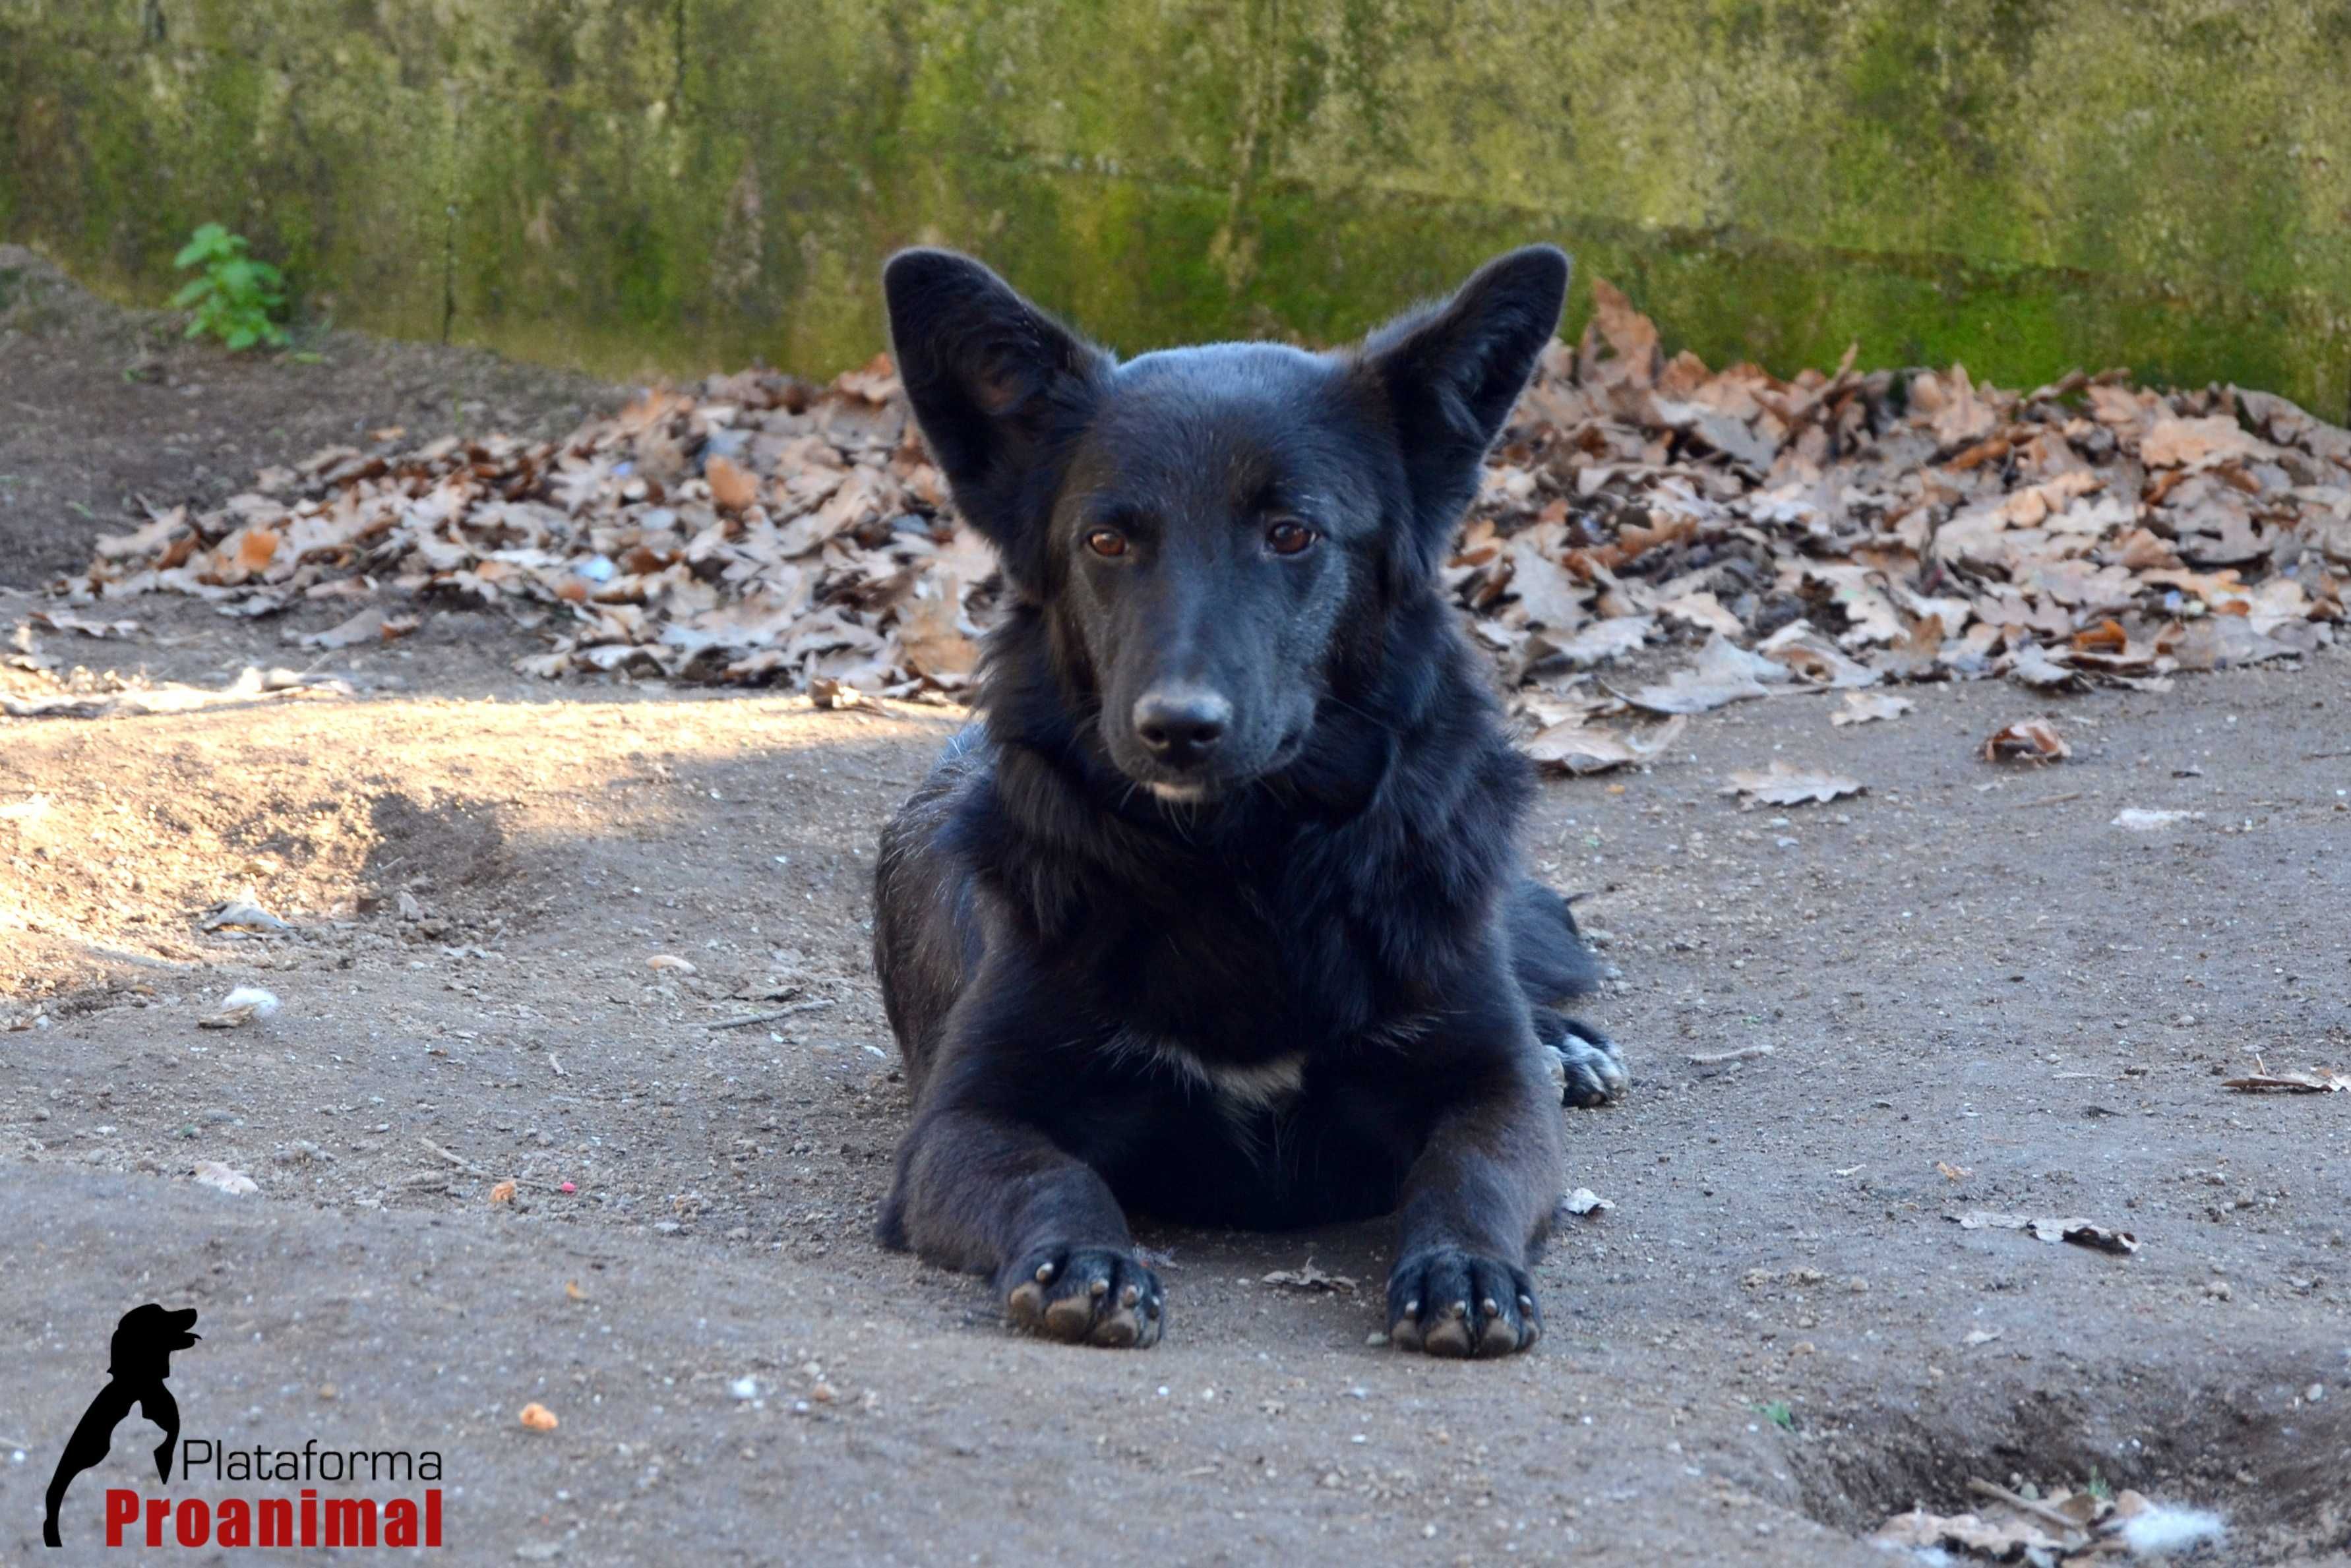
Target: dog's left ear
[1451,372]
[999,388]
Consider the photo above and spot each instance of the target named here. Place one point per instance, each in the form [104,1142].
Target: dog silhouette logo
[139,1361]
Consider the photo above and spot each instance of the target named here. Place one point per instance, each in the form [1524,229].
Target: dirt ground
[1979,994]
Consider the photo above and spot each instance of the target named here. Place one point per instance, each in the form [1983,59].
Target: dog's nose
[1181,724]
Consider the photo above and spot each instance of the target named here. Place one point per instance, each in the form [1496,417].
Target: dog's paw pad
[1086,1295]
[1589,1067]
[1451,1302]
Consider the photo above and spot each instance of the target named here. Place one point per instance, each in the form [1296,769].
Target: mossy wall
[633,185]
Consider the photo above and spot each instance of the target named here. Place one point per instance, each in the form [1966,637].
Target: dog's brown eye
[1288,536]
[1106,542]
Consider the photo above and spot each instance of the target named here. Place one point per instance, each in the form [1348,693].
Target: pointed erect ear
[999,388]
[1451,372]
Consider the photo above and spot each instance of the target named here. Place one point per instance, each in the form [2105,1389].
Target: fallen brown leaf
[2080,1232]
[1307,1277]
[2324,1080]
[1780,785]
[1865,707]
[2029,740]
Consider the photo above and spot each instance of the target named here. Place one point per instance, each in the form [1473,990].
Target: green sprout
[234,296]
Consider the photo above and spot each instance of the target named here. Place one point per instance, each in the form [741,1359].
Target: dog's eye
[1288,536]
[1106,542]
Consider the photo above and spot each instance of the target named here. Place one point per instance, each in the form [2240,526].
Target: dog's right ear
[999,388]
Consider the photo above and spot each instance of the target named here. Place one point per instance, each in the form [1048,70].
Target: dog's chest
[1239,1088]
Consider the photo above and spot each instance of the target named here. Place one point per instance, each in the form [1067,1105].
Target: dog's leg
[1474,1203]
[982,1191]
[1589,1069]
[1553,967]
[158,1405]
[87,1448]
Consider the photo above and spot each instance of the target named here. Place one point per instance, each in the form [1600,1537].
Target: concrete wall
[633,185]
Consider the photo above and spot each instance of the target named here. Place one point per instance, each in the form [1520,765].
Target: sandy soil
[1777,1336]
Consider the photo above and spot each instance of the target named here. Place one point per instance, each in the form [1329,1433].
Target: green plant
[234,296]
[1778,1412]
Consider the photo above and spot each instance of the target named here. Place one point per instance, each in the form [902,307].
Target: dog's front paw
[1590,1068]
[1085,1295]
[1448,1302]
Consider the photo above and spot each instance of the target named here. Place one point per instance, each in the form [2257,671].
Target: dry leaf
[1307,1277]
[213,1174]
[1597,643]
[2004,1541]
[503,1192]
[1780,785]
[370,625]
[59,620]
[731,485]
[1575,746]
[1862,708]
[2080,1232]
[671,961]
[1583,1201]
[2031,740]
[1724,674]
[2324,1080]
[2035,668]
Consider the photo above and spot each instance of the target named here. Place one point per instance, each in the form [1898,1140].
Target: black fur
[1220,916]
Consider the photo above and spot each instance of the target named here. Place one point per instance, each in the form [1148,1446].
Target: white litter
[2165,1529]
[241,1007]
[235,1183]
[2139,820]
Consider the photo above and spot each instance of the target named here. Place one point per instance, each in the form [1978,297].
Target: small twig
[2323,756]
[1716,1059]
[809,1006]
[460,1161]
[2040,1511]
[2049,801]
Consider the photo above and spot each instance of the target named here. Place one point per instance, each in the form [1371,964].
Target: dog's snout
[1181,724]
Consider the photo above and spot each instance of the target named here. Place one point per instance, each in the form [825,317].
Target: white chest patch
[1239,1088]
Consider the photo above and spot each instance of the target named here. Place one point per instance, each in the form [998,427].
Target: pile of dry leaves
[2063,1526]
[1837,530]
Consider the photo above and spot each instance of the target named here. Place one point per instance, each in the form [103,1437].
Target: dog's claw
[1087,1296]
[1506,1318]
[1589,1065]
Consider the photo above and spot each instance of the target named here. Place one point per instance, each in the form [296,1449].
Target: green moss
[637,186]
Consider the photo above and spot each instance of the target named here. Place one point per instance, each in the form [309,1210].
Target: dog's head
[145,1337]
[1205,528]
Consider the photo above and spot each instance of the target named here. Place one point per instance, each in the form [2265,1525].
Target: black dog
[1221,917]
[139,1360]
